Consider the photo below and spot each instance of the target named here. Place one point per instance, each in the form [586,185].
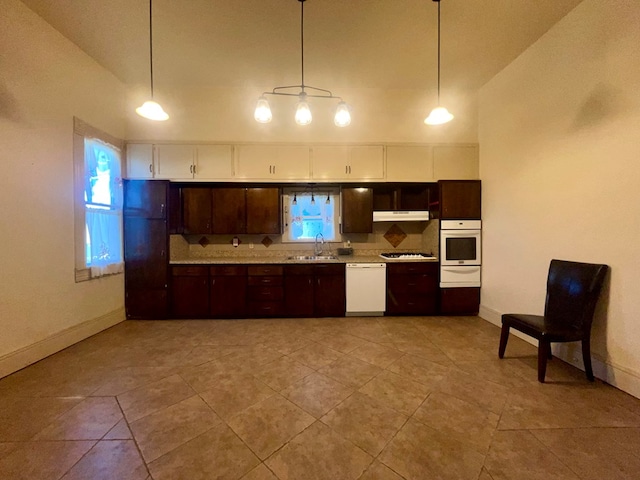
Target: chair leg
[586,358]
[504,336]
[549,353]
[543,351]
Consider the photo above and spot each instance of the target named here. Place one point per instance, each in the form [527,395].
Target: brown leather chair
[573,289]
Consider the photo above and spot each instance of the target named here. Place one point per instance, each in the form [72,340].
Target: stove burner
[406,256]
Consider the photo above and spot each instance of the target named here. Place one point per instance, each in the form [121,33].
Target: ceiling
[388,44]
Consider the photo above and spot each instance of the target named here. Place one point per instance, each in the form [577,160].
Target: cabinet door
[139,160]
[229,210]
[298,290]
[190,292]
[329,296]
[460,199]
[357,210]
[174,162]
[409,164]
[272,162]
[228,296]
[145,253]
[330,162]
[456,163]
[213,162]
[146,303]
[196,210]
[145,198]
[366,163]
[263,210]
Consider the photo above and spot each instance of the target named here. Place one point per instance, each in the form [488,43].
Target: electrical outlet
[250,245]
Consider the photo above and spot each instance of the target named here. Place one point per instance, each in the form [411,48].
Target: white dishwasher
[366,285]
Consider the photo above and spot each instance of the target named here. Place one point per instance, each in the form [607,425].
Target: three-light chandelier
[303,115]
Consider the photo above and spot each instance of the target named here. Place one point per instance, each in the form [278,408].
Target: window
[308,214]
[98,165]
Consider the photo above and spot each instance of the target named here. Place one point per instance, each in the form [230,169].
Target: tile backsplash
[420,237]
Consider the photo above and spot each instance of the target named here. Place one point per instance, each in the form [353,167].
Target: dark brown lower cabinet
[298,290]
[412,288]
[460,301]
[228,291]
[329,296]
[265,290]
[146,303]
[189,292]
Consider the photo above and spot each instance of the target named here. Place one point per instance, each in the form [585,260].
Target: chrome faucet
[318,249]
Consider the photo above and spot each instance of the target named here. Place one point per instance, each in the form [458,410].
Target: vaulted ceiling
[389,44]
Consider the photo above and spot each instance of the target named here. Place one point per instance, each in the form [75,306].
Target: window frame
[82,131]
[320,195]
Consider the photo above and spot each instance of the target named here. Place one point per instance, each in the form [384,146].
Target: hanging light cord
[438,52]
[302,41]
[151,43]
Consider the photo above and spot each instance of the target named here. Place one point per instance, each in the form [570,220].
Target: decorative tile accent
[266,241]
[395,235]
[204,241]
[237,240]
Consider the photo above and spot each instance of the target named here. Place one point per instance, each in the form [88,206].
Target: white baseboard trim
[18,359]
[620,377]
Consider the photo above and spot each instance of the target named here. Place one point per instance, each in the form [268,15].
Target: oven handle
[462,269]
[460,233]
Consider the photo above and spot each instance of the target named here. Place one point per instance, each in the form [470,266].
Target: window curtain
[103,208]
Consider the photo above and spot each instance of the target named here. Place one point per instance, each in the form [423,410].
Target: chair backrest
[573,289]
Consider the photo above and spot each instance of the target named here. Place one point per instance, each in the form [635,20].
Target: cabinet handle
[349,169]
[213,281]
[309,281]
[318,280]
[194,169]
[346,169]
[162,253]
[162,209]
[151,168]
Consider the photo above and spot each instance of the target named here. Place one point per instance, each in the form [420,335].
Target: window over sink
[310,213]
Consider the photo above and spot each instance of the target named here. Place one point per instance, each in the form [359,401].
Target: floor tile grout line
[133,438]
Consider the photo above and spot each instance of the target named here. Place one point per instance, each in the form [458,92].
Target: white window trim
[320,194]
[81,130]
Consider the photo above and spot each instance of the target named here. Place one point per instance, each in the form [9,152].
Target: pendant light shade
[438,115]
[303,115]
[151,110]
[263,111]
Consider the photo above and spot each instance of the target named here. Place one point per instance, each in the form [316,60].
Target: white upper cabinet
[456,163]
[407,163]
[272,162]
[174,162]
[213,162]
[348,162]
[139,160]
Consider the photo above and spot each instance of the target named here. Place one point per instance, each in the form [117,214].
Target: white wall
[559,134]
[44,81]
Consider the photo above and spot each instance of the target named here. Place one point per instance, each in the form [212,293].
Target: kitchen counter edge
[286,261]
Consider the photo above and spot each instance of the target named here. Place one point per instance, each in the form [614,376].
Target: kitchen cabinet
[231,210]
[188,162]
[197,207]
[265,290]
[146,248]
[412,288]
[357,209]
[460,199]
[352,163]
[228,291]
[272,162]
[189,291]
[452,162]
[405,197]
[140,161]
[408,163]
[316,290]
[460,301]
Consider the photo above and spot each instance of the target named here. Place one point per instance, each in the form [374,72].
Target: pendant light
[438,115]
[150,109]
[303,115]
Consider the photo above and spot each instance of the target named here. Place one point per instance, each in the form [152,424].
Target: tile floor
[358,398]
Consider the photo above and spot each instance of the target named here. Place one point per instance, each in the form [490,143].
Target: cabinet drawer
[412,268]
[328,269]
[266,293]
[188,271]
[228,270]
[413,284]
[265,281]
[266,309]
[265,270]
[403,304]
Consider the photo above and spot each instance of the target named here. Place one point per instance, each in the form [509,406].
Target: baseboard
[14,361]
[620,377]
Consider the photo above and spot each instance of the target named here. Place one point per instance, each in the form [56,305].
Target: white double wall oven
[460,253]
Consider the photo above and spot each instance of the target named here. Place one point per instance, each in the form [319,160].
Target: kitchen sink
[313,257]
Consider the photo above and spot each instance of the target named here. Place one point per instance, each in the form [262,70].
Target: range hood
[401,216]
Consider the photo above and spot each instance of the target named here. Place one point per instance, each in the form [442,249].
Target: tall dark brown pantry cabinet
[146,248]
[460,199]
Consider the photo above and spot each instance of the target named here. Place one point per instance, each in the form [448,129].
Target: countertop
[284,260]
